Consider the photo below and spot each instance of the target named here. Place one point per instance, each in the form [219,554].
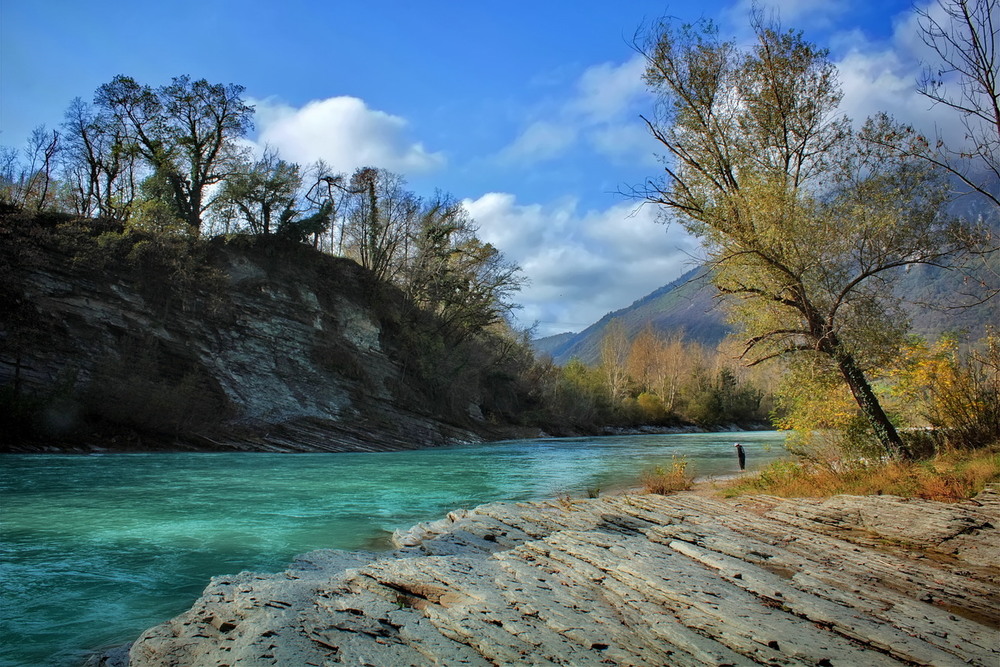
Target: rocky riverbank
[625,580]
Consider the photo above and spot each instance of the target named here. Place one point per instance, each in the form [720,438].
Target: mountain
[688,304]
[932,300]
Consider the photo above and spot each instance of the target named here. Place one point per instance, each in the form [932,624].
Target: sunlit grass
[949,476]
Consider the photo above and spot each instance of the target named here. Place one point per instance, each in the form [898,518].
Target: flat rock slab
[625,580]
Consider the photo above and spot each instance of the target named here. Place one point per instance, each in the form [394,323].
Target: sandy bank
[627,580]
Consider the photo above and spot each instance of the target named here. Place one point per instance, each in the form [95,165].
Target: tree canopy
[185,130]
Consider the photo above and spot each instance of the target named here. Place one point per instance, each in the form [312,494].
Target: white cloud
[606,91]
[626,144]
[802,14]
[875,74]
[603,111]
[581,264]
[541,140]
[344,132]
[882,76]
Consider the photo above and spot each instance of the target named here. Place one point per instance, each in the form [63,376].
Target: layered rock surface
[626,580]
[269,347]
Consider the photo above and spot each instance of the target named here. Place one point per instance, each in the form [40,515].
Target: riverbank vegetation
[661,380]
[664,481]
[949,475]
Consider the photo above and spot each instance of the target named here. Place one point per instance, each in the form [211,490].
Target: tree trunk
[869,403]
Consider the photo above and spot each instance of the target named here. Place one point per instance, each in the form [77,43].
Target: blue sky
[528,111]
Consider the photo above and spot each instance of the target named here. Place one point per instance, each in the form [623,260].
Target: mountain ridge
[691,305]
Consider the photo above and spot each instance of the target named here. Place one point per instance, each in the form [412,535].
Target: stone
[625,580]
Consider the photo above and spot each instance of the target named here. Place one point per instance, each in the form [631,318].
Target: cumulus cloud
[345,133]
[606,91]
[602,111]
[581,263]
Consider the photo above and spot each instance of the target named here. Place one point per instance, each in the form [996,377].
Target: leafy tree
[956,392]
[719,398]
[262,192]
[297,226]
[452,273]
[582,395]
[804,222]
[185,131]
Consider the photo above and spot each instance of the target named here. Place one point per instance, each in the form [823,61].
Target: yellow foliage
[921,374]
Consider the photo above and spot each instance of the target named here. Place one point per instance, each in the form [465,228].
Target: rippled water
[94,549]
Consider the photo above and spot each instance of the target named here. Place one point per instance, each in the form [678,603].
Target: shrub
[664,482]
[651,407]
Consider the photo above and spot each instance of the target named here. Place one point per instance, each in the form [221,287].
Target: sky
[529,112]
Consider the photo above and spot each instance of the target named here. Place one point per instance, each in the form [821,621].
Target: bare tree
[614,357]
[966,80]
[100,163]
[26,184]
[381,217]
[966,43]
[327,190]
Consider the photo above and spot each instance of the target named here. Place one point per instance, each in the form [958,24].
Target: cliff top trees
[184,130]
[803,220]
[263,192]
[452,273]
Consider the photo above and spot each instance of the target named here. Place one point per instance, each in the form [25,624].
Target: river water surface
[94,549]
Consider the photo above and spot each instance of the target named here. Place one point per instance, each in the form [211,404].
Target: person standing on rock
[742,455]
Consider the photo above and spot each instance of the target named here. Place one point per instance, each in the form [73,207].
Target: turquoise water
[94,549]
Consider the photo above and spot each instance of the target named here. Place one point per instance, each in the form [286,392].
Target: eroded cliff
[246,343]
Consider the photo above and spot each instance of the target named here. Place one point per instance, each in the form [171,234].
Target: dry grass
[948,476]
[664,482]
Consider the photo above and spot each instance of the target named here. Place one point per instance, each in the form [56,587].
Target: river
[96,548]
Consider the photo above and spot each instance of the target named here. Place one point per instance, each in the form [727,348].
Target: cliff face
[254,344]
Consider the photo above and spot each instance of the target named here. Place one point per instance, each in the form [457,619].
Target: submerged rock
[626,580]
